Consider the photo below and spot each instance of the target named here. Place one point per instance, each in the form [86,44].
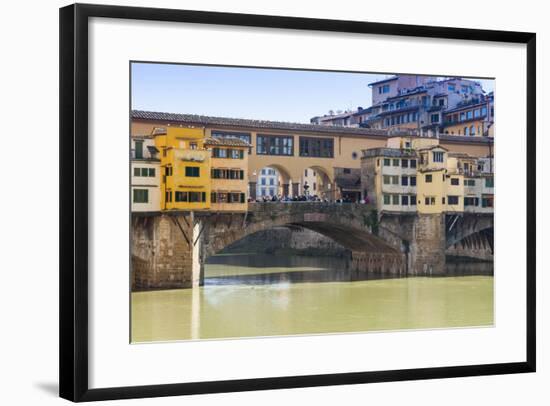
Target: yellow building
[229,173]
[419,175]
[185,166]
[474,119]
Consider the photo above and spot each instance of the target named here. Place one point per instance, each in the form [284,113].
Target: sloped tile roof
[262,124]
[226,142]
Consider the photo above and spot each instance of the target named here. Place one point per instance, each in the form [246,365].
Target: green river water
[251,295]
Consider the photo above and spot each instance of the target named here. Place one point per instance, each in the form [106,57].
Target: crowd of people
[303,198]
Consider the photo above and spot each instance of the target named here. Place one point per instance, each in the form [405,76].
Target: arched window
[472,130]
[466,131]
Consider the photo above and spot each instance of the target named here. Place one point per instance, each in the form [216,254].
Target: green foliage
[371,220]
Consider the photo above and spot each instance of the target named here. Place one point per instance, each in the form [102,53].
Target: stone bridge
[169,248]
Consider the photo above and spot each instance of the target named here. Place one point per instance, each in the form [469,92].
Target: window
[404,181]
[271,182]
[305,173]
[197,197]
[469,114]
[462,116]
[168,196]
[395,200]
[466,131]
[263,171]
[347,171]
[413,163]
[227,174]
[434,118]
[489,182]
[226,134]
[274,145]
[437,156]
[236,153]
[429,200]
[141,196]
[442,200]
[263,181]
[354,155]
[451,87]
[429,178]
[145,172]
[182,197]
[386,199]
[396,162]
[219,153]
[395,180]
[454,181]
[453,200]
[413,200]
[471,201]
[477,113]
[193,145]
[404,200]
[487,201]
[484,111]
[413,181]
[386,162]
[192,171]
[168,171]
[404,163]
[138,149]
[386,179]
[472,130]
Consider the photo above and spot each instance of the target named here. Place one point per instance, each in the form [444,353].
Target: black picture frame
[73,253]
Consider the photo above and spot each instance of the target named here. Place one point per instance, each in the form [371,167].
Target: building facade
[185,165]
[420,175]
[145,174]
[424,105]
[229,173]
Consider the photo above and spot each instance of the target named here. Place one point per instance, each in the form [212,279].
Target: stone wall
[162,256]
[383,263]
[296,240]
[427,248]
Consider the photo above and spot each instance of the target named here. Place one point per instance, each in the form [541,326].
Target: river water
[251,295]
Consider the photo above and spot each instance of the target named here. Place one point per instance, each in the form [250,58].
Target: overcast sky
[262,94]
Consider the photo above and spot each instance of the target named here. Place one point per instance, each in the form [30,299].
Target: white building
[145,174]
[268,183]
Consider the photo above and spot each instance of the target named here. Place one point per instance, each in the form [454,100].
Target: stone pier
[165,252]
[169,248]
[427,247]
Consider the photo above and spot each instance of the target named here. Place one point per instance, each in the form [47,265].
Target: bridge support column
[166,252]
[252,190]
[295,189]
[427,250]
[286,189]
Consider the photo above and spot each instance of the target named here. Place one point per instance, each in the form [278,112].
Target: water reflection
[265,295]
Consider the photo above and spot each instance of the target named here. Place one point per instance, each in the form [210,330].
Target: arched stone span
[348,225]
[463,226]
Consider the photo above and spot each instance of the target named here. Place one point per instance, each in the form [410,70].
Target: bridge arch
[348,231]
[472,225]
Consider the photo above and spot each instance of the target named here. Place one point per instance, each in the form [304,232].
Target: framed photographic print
[256,202]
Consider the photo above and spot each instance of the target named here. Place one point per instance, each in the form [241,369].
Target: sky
[253,93]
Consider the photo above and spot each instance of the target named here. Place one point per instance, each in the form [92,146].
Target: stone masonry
[169,249]
[162,252]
